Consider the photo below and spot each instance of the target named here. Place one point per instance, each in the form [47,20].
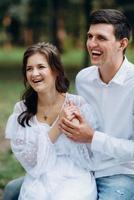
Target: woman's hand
[69,112]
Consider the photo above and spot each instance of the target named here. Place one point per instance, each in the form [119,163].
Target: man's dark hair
[122,28]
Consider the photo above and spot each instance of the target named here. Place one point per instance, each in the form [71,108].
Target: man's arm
[80,132]
[118,148]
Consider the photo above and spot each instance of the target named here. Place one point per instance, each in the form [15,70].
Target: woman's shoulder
[77,99]
[19,106]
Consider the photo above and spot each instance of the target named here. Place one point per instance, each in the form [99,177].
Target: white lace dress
[60,171]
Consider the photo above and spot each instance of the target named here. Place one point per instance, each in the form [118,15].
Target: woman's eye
[41,66]
[28,68]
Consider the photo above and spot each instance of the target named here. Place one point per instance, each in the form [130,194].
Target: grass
[73,58]
[10,57]
[10,87]
[9,168]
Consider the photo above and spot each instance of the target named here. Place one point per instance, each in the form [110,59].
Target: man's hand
[79,132]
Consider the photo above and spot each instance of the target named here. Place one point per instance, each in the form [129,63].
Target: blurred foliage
[24,22]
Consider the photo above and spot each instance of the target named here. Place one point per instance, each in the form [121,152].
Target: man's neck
[108,72]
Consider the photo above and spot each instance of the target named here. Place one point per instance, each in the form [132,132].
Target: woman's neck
[48,99]
[49,107]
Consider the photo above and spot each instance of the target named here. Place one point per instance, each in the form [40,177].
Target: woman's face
[39,74]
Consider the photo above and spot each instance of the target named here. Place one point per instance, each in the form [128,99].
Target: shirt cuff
[98,141]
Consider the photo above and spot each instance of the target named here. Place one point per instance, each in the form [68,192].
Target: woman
[57,168]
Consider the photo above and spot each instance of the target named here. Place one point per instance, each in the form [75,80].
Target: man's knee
[12,189]
[116,194]
[119,187]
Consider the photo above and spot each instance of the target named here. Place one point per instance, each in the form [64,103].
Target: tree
[36,19]
[87,10]
[128,8]
[54,9]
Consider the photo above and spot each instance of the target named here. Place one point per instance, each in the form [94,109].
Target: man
[108,85]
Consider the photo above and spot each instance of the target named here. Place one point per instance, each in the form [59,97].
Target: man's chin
[95,63]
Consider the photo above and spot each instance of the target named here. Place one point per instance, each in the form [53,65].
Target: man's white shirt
[113,141]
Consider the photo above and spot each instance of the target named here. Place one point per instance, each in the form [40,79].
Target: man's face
[103,47]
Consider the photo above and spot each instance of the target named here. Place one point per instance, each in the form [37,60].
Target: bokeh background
[24,22]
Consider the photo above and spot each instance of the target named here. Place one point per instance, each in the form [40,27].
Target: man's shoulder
[130,64]
[86,72]
[130,68]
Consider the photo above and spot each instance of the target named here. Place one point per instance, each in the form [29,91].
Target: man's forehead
[101,29]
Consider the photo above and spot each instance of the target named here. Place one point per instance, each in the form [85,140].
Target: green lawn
[9,168]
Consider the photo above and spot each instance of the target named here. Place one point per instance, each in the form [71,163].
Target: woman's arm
[31,145]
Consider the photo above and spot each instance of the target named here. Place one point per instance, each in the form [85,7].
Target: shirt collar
[95,74]
[119,77]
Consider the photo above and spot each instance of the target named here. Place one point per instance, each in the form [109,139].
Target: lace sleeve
[30,145]
[36,154]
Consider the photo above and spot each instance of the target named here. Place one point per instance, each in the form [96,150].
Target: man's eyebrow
[88,33]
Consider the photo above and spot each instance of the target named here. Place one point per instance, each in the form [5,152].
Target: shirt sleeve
[118,148]
[30,145]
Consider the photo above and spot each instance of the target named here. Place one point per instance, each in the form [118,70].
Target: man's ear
[123,43]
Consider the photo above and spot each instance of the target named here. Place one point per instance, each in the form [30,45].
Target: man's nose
[92,42]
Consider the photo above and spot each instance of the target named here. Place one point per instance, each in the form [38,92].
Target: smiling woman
[39,74]
[57,168]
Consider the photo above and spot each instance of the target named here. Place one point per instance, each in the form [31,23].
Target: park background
[24,22]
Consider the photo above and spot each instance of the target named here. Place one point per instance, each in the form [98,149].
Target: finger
[68,123]
[72,103]
[70,117]
[79,117]
[66,129]
[75,138]
[69,135]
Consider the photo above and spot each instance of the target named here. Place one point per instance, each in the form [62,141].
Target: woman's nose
[35,72]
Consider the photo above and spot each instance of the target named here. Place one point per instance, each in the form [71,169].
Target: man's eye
[89,36]
[101,38]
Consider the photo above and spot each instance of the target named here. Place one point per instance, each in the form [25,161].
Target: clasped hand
[73,124]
